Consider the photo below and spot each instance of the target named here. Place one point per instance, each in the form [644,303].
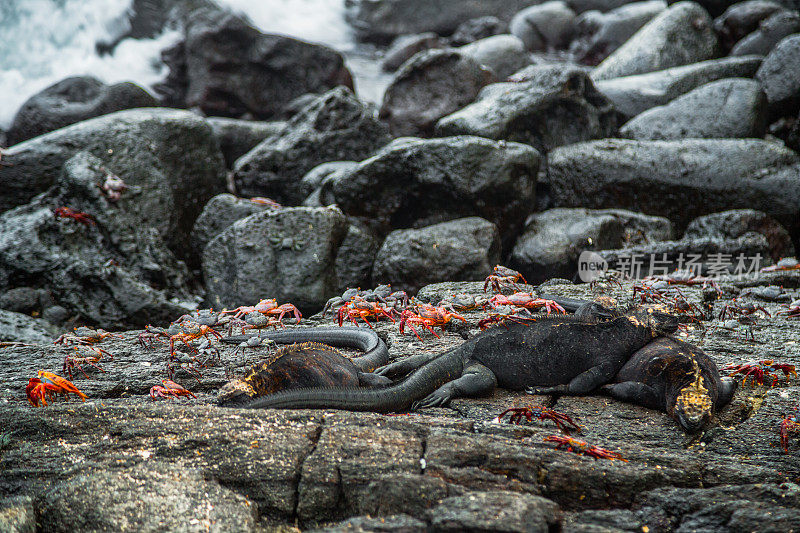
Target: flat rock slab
[445,468]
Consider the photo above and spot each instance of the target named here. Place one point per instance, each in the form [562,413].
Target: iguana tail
[375,352]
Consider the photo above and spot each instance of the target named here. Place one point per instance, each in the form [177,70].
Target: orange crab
[40,388]
[267,306]
[502,275]
[79,216]
[191,331]
[169,390]
[526,300]
[358,307]
[564,422]
[427,316]
[581,447]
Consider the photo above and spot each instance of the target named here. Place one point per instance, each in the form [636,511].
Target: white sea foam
[45,41]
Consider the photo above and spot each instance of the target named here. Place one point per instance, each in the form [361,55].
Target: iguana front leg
[405,366]
[583,383]
[477,380]
[636,392]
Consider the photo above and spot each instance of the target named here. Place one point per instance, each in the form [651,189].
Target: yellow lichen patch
[695,399]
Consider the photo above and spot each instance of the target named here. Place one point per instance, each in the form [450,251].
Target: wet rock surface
[73,100]
[553,240]
[729,108]
[386,19]
[287,253]
[128,276]
[632,95]
[226,67]
[727,174]
[430,85]
[598,34]
[441,469]
[680,35]
[414,182]
[237,137]
[170,177]
[544,106]
[336,126]
[457,250]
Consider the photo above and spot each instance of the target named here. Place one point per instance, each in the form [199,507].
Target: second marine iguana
[308,364]
[552,352]
[668,374]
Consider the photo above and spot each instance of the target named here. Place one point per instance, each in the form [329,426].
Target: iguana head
[693,406]
[657,319]
[235,392]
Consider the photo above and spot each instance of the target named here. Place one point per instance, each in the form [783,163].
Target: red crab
[79,216]
[790,424]
[360,308]
[787,263]
[88,355]
[267,306]
[427,316]
[84,335]
[562,421]
[760,370]
[502,275]
[40,388]
[192,331]
[169,390]
[583,448]
[526,300]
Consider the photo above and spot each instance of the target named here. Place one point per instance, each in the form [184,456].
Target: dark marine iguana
[668,374]
[552,351]
[305,364]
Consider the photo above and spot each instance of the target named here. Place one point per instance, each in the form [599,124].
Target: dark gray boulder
[739,222]
[429,86]
[407,46]
[598,34]
[545,27]
[770,32]
[287,254]
[698,176]
[219,213]
[18,327]
[317,182]
[459,250]
[237,137]
[336,126]
[741,19]
[632,95]
[415,182]
[780,76]
[546,106]
[383,20]
[72,100]
[226,67]
[169,159]
[582,6]
[478,28]
[728,108]
[553,240]
[679,36]
[115,273]
[356,256]
[502,54]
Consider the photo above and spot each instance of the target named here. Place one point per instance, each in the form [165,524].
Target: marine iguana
[554,351]
[668,374]
[309,364]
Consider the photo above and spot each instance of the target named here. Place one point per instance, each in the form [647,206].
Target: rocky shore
[518,133]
